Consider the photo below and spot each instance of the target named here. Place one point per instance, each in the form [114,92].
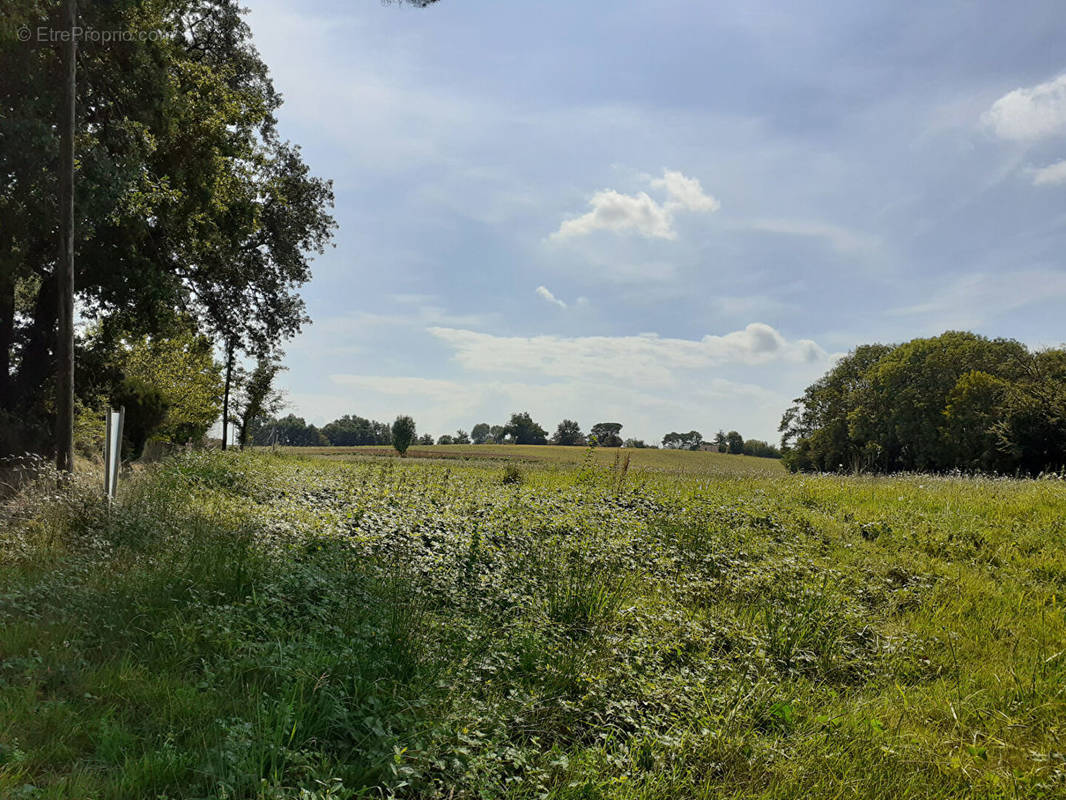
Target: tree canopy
[954,401]
[606,434]
[186,197]
[568,433]
[523,430]
[403,434]
[683,441]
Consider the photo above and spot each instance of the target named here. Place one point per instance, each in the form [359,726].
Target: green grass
[661,460]
[267,626]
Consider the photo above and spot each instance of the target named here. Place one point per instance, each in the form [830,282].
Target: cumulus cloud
[1050,175]
[640,213]
[545,292]
[685,193]
[1030,113]
[645,359]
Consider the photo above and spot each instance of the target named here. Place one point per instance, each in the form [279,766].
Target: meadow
[679,625]
[661,460]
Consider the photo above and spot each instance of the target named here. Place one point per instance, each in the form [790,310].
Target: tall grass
[257,626]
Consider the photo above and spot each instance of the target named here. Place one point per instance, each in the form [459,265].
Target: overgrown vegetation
[262,626]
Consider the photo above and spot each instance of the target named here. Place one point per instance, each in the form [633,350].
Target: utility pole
[65,264]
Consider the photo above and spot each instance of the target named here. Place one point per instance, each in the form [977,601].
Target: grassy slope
[255,626]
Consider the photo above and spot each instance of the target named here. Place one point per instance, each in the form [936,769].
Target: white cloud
[644,359]
[543,291]
[685,193]
[1030,113]
[441,405]
[1049,175]
[640,213]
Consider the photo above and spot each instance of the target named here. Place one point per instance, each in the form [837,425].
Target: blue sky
[670,215]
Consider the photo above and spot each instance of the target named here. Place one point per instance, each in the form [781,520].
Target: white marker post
[113,450]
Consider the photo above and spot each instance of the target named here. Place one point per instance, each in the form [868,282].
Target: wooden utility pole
[65,264]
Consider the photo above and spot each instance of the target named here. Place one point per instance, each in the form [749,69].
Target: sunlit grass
[260,626]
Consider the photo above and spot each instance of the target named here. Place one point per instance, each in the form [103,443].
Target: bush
[146,408]
[512,475]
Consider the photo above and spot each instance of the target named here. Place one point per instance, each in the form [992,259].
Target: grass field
[661,460]
[277,626]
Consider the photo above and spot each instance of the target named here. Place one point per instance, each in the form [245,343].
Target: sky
[670,215]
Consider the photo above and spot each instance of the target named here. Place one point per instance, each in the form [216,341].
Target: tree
[568,433]
[734,443]
[636,443]
[721,442]
[605,434]
[352,430]
[957,400]
[287,431]
[480,433]
[760,449]
[498,433]
[257,398]
[146,408]
[683,441]
[523,430]
[461,437]
[403,434]
[186,196]
[183,369]
[425,438]
[445,439]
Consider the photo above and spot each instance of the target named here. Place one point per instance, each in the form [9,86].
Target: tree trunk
[225,395]
[65,265]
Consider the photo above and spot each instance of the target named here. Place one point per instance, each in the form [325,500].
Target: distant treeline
[955,401]
[353,431]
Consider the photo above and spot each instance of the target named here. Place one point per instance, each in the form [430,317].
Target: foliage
[461,437]
[734,443]
[683,441]
[186,196]
[425,439]
[254,626]
[352,430]
[638,443]
[480,433]
[445,439]
[568,433]
[760,449]
[258,398]
[182,367]
[523,430]
[606,434]
[403,434]
[955,401]
[146,409]
[287,431]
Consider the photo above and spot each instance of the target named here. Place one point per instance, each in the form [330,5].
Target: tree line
[721,442]
[352,430]
[958,401]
